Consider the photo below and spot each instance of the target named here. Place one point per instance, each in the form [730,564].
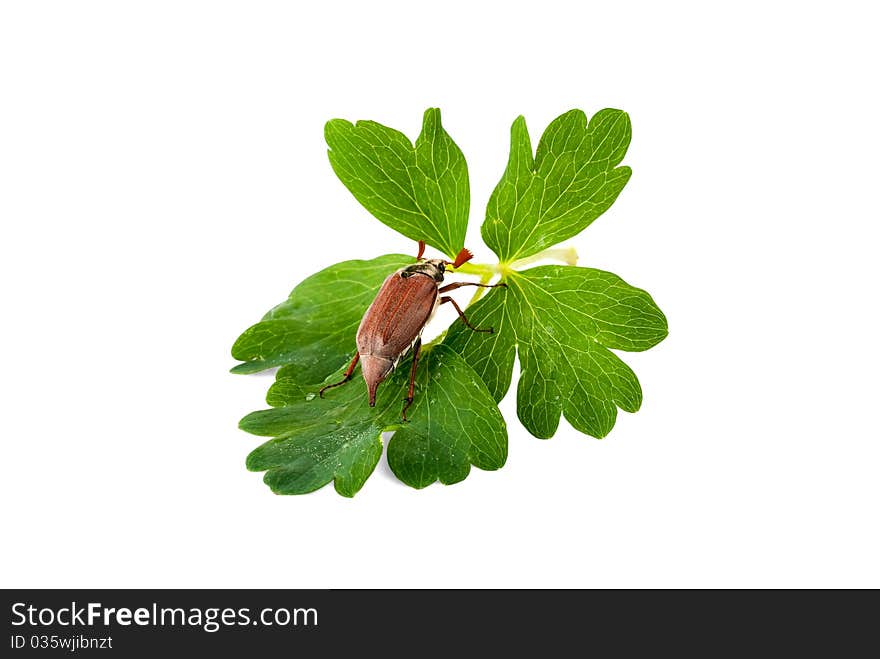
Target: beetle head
[433,268]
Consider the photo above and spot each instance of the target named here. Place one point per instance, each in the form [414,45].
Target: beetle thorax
[433,268]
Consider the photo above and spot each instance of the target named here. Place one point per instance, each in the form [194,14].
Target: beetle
[393,323]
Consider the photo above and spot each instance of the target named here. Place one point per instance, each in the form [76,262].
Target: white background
[163,182]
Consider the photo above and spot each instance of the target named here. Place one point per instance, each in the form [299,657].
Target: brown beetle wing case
[397,316]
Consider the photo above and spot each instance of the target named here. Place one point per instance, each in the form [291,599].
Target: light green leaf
[571,181]
[563,320]
[454,423]
[314,329]
[421,192]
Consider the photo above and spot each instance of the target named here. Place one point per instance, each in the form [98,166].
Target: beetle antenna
[421,250]
[463,257]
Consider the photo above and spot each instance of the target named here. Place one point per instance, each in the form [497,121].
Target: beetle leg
[345,378]
[417,348]
[421,250]
[459,284]
[446,298]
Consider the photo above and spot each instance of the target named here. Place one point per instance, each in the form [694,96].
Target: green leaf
[454,423]
[571,181]
[421,192]
[563,320]
[314,329]
[490,355]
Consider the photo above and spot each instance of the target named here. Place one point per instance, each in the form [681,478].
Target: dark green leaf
[564,320]
[454,423]
[313,330]
[420,191]
[571,181]
[490,355]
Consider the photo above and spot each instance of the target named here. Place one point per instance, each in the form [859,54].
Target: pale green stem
[487,272]
[567,255]
[477,269]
